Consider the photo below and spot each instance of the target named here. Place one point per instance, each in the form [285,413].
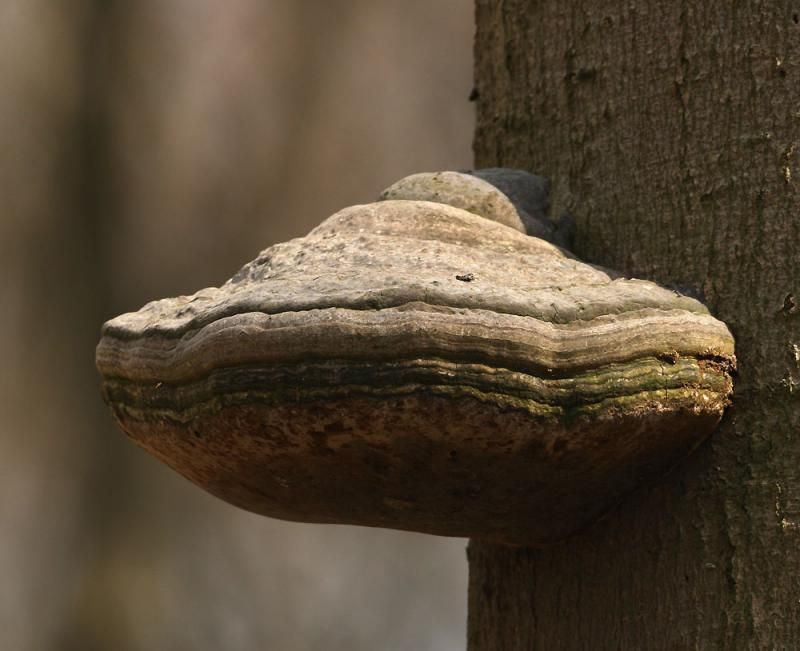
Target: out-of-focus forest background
[149,148]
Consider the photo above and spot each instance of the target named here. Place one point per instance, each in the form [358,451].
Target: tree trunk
[671,131]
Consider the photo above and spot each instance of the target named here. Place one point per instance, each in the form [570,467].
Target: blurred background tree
[149,149]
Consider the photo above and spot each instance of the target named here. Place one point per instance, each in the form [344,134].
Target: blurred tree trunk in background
[671,132]
[147,149]
[88,172]
[54,292]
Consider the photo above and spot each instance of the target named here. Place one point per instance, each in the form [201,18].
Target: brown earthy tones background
[149,149]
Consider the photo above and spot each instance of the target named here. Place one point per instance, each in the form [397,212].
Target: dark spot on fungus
[335,427]
[669,357]
[466,278]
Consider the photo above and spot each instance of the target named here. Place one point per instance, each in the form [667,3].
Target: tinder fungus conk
[414,365]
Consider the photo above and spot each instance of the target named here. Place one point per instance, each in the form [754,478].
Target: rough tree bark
[672,132]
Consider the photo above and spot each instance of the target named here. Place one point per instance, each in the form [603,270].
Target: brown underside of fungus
[423,366]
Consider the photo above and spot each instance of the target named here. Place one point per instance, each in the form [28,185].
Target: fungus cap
[412,365]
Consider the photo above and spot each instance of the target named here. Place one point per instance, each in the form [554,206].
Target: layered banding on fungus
[414,365]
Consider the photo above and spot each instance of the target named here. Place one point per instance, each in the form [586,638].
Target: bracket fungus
[422,366]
